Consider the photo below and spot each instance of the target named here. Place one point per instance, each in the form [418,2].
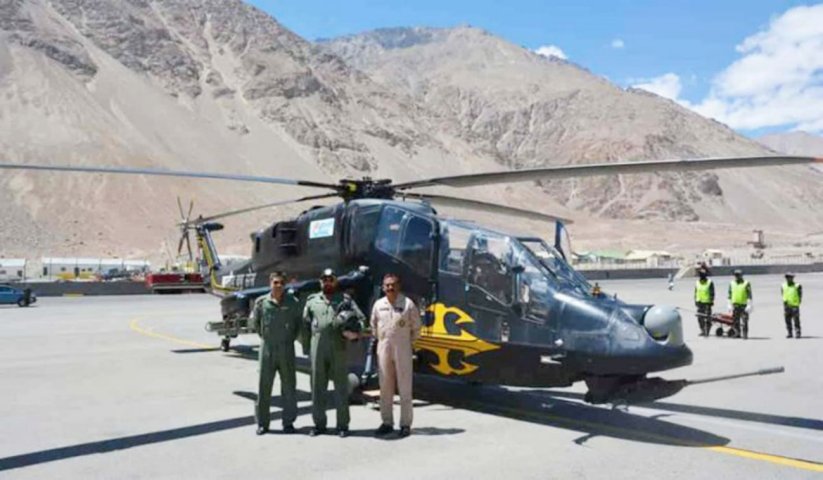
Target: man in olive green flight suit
[276,318]
[328,350]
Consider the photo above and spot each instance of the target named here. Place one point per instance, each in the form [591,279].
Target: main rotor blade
[260,207]
[170,173]
[447,201]
[578,171]
[180,208]
[191,207]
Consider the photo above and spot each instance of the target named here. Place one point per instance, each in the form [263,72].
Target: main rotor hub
[366,188]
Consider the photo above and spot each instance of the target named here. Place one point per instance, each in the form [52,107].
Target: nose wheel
[224,344]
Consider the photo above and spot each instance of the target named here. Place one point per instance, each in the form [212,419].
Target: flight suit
[792,296]
[328,355]
[396,327]
[704,300]
[278,326]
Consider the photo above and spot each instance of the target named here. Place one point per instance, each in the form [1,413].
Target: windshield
[550,259]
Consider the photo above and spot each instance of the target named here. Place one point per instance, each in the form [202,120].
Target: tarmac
[133,387]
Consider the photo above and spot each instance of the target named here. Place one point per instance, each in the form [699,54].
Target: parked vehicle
[11,295]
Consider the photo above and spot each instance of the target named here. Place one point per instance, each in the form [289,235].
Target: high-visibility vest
[702,292]
[740,292]
[791,295]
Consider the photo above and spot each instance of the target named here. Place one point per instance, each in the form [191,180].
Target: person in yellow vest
[704,301]
[792,296]
[740,303]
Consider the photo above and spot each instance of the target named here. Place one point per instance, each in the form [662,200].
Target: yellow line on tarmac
[766,457]
[134,326]
[738,452]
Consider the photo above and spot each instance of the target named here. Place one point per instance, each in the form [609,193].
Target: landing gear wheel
[719,331]
[224,344]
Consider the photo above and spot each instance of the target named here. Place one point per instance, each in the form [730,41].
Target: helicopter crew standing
[792,296]
[327,313]
[276,318]
[395,322]
[704,301]
[740,303]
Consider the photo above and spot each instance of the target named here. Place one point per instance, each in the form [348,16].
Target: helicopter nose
[664,325]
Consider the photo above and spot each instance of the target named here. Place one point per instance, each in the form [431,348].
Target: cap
[328,273]
[737,271]
[790,274]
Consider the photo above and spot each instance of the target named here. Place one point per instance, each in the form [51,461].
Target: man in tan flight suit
[395,323]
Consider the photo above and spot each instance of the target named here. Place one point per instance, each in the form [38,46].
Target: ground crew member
[792,296]
[395,323]
[740,303]
[276,319]
[704,300]
[326,313]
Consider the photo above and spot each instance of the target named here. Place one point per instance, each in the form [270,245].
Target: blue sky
[693,42]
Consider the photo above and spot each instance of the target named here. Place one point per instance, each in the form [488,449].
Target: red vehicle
[175,282]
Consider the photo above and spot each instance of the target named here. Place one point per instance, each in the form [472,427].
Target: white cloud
[618,43]
[667,85]
[778,81]
[551,51]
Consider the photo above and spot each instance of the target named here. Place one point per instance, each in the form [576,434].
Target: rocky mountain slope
[794,143]
[217,85]
[527,110]
[208,85]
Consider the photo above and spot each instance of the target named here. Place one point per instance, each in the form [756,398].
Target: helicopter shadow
[553,411]
[536,407]
[766,418]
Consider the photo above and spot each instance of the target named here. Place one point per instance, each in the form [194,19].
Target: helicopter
[499,308]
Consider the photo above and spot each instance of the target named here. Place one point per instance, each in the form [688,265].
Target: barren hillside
[527,110]
[217,85]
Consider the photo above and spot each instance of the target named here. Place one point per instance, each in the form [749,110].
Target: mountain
[527,110]
[217,85]
[211,85]
[794,143]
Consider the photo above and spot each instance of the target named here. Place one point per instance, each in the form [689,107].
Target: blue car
[11,295]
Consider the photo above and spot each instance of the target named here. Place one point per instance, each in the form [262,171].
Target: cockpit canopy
[494,262]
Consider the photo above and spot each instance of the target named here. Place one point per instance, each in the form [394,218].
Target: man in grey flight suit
[276,319]
[328,350]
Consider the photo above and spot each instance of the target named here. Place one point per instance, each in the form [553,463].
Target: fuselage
[500,308]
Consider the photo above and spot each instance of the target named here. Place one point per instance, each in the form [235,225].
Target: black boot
[789,335]
[384,429]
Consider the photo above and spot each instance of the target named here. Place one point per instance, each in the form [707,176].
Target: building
[71,268]
[12,269]
[649,258]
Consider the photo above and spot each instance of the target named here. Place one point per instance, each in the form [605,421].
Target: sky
[755,65]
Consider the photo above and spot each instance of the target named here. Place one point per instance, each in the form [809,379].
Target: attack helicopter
[499,308]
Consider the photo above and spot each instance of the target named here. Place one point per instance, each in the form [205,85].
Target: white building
[12,269]
[86,268]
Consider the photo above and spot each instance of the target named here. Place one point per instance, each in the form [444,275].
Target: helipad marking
[738,452]
[134,326]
